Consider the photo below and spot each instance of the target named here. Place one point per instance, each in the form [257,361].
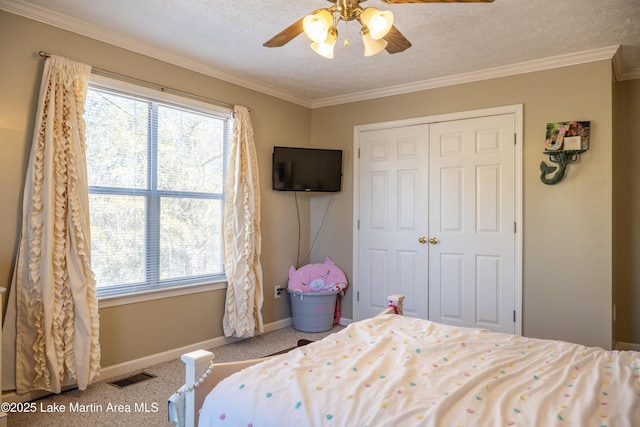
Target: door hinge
[514,315]
[515,138]
[358,296]
[358,153]
[515,227]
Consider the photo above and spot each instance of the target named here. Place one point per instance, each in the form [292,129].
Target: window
[155,168]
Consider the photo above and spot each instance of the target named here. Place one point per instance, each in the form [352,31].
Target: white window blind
[156,172]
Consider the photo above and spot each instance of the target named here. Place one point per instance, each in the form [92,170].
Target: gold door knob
[434,240]
[422,239]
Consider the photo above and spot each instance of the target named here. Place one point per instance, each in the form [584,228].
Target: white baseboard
[154,359]
[627,346]
[144,362]
[274,326]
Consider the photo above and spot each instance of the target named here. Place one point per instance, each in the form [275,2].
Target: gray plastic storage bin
[312,311]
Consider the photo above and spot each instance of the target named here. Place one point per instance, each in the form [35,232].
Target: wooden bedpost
[196,364]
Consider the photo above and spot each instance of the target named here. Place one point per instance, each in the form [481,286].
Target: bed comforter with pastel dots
[401,371]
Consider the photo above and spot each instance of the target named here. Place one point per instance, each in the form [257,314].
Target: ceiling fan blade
[436,1]
[286,35]
[396,42]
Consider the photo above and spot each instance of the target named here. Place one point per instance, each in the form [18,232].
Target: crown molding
[58,20]
[574,58]
[622,74]
[83,28]
[629,74]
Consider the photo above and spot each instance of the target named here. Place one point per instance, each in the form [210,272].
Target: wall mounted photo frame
[564,143]
[569,136]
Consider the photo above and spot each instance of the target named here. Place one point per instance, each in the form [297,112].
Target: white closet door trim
[517,110]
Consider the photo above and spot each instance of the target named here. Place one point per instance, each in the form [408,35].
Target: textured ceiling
[225,38]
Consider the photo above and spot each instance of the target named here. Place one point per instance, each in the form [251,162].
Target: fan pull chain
[346,33]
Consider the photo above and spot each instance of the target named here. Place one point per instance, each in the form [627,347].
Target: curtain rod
[161,88]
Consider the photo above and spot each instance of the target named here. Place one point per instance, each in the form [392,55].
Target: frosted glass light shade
[325,48]
[371,46]
[316,25]
[378,22]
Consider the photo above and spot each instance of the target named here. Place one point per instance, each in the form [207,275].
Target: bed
[396,370]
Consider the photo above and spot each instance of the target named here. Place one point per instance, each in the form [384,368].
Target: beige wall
[567,227]
[626,211]
[567,263]
[137,330]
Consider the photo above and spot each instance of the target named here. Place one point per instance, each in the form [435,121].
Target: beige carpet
[109,406]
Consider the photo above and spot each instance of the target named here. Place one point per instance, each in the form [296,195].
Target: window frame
[157,94]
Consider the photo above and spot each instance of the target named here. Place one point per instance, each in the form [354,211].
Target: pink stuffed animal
[326,277]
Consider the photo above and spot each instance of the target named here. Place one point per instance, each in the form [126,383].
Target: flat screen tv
[306,169]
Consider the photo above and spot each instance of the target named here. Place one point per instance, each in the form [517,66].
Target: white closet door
[472,216]
[392,218]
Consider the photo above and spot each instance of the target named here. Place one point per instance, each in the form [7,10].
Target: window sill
[113,301]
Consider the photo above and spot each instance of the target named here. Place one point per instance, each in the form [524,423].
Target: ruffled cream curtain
[53,297]
[242,236]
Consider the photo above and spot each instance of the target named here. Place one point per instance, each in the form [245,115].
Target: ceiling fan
[378,32]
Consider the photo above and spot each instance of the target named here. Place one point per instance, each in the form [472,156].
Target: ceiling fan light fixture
[378,22]
[325,48]
[317,24]
[372,46]
[378,25]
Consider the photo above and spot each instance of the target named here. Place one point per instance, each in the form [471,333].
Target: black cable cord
[313,243]
[295,193]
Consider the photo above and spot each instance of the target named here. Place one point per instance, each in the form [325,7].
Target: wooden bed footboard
[202,375]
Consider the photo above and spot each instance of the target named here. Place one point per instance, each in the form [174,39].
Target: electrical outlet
[279,290]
